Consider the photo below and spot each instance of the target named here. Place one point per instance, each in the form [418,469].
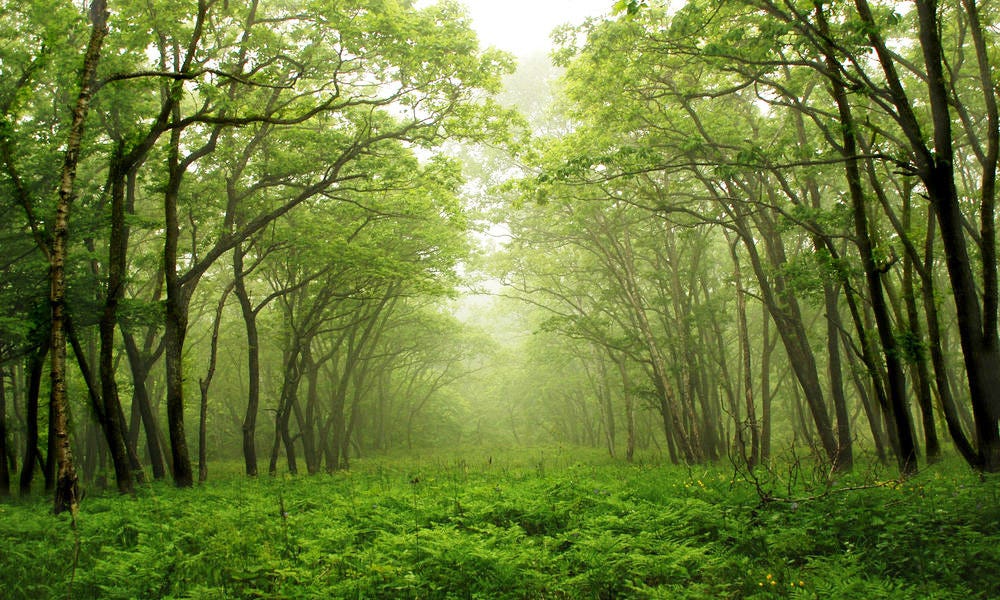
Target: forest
[325,299]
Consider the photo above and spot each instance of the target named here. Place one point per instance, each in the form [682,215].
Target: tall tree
[66,493]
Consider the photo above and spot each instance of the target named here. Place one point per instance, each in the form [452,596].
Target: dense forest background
[295,233]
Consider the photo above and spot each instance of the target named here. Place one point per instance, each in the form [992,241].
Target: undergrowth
[544,525]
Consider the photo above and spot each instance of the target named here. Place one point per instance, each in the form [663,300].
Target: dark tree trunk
[4,465]
[249,428]
[307,419]
[32,456]
[113,432]
[942,381]
[917,354]
[141,366]
[977,324]
[935,165]
[282,417]
[175,331]
[845,452]
[203,387]
[906,452]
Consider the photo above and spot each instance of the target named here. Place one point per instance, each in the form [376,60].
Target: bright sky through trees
[523,26]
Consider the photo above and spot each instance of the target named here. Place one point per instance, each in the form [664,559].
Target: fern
[510,529]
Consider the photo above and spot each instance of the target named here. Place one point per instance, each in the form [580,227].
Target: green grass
[541,524]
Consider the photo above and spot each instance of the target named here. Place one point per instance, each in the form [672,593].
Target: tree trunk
[175,331]
[906,454]
[942,381]
[784,309]
[765,385]
[282,417]
[977,322]
[874,415]
[307,419]
[176,322]
[203,386]
[141,366]
[629,410]
[66,496]
[113,432]
[32,456]
[753,458]
[4,465]
[845,452]
[249,427]
[917,353]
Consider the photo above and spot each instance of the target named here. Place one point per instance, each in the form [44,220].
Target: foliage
[553,523]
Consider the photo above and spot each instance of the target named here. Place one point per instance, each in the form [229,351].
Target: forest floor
[526,524]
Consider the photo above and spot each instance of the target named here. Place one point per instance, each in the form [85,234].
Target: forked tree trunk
[140,366]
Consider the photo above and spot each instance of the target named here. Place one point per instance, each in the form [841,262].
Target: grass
[538,524]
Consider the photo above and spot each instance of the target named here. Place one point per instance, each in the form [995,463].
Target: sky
[522,27]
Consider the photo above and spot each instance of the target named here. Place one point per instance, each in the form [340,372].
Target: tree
[66,479]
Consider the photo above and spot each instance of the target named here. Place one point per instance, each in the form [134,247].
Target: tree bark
[141,364]
[629,409]
[906,453]
[66,495]
[32,456]
[4,464]
[249,428]
[108,323]
[935,165]
[753,458]
[918,354]
[765,385]
[203,386]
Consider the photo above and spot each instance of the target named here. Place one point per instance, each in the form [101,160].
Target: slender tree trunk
[4,465]
[305,420]
[113,432]
[203,386]
[753,458]
[785,311]
[66,496]
[32,456]
[17,402]
[845,452]
[289,391]
[906,453]
[141,366]
[49,465]
[765,386]
[917,353]
[175,331]
[874,416]
[176,322]
[249,428]
[629,410]
[942,381]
